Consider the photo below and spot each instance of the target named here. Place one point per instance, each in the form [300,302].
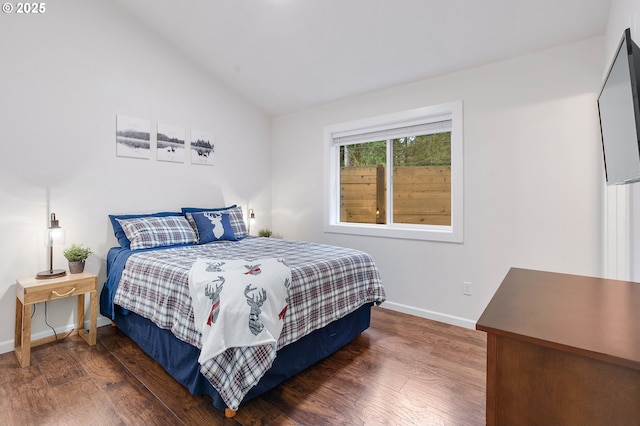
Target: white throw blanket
[238,303]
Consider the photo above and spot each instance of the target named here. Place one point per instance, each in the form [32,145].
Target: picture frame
[202,148]
[133,137]
[170,143]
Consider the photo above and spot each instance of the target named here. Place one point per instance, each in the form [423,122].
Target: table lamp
[53,235]
[252,218]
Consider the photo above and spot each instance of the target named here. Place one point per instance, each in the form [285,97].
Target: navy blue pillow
[235,216]
[200,209]
[119,232]
[213,226]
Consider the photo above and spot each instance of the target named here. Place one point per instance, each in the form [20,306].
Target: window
[398,175]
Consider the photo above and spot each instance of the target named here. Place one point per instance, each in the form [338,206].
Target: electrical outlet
[466,288]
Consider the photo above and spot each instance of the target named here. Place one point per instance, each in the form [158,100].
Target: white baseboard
[435,316]
[7,346]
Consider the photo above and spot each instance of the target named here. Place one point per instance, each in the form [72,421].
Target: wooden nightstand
[31,290]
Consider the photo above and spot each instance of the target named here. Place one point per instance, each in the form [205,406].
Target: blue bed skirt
[180,359]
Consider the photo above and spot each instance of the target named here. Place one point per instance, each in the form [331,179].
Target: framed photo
[202,148]
[170,143]
[133,137]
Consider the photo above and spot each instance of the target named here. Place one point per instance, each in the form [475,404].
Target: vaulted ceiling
[286,55]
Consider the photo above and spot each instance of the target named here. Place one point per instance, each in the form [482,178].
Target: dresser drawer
[31,291]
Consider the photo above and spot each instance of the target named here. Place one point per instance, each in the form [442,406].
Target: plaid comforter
[327,283]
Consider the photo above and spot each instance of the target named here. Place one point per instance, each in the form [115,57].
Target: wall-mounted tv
[619,108]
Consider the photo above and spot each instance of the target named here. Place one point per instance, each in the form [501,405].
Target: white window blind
[351,137]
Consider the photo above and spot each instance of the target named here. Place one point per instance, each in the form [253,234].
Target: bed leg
[229,413]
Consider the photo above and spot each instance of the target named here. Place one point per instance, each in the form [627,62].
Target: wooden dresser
[562,350]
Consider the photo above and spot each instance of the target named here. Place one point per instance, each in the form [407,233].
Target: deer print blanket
[238,303]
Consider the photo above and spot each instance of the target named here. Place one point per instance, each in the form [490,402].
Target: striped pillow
[237,222]
[149,232]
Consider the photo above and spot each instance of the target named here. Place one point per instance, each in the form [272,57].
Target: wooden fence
[421,195]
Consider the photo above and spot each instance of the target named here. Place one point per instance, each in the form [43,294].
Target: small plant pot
[76,267]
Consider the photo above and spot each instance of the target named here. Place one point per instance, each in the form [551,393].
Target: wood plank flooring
[403,370]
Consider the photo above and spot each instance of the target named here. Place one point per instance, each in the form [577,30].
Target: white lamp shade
[54,236]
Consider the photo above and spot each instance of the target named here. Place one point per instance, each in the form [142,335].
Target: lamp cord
[46,321]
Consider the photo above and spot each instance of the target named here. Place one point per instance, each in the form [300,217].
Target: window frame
[453,233]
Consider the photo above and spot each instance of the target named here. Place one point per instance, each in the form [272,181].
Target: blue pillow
[213,226]
[119,232]
[200,209]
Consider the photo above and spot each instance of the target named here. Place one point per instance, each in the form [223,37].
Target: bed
[146,294]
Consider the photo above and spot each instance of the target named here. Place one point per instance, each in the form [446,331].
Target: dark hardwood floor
[403,370]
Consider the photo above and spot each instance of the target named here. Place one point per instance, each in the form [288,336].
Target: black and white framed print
[133,137]
[170,143]
[202,148]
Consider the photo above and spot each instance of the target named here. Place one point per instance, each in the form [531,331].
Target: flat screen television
[619,109]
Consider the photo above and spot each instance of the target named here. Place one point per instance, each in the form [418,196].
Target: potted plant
[77,255]
[265,232]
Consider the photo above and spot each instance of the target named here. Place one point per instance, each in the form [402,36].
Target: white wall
[533,173]
[64,77]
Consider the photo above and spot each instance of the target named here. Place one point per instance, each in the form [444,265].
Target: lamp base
[55,273]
